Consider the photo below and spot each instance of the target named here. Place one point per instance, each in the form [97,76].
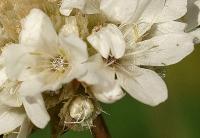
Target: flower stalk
[100,129]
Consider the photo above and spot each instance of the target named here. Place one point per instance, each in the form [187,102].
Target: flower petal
[147,87]
[32,86]
[108,39]
[36,110]
[22,132]
[86,6]
[76,47]
[167,27]
[173,9]
[93,65]
[109,93]
[3,76]
[10,118]
[16,58]
[156,11]
[133,33]
[37,30]
[107,89]
[121,11]
[101,80]
[9,94]
[43,81]
[77,71]
[78,54]
[163,50]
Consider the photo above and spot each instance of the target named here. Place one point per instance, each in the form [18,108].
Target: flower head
[45,64]
[147,40]
[16,107]
[47,60]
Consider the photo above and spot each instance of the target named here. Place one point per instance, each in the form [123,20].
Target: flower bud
[81,108]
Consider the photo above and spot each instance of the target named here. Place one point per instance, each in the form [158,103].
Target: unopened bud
[81,108]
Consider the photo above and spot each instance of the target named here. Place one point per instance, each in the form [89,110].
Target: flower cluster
[59,58]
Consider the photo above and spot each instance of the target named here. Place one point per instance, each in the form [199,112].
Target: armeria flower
[152,39]
[102,85]
[15,107]
[192,18]
[138,18]
[10,117]
[44,60]
[143,84]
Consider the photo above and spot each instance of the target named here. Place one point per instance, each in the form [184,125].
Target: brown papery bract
[12,11]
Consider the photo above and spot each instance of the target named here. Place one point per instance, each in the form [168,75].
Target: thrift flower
[44,60]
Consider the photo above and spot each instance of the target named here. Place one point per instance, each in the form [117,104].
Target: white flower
[43,60]
[124,57]
[11,99]
[166,44]
[12,115]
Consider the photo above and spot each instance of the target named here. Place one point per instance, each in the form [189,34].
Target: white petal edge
[76,47]
[10,118]
[37,30]
[16,59]
[36,110]
[158,11]
[147,87]
[3,76]
[164,50]
[119,10]
[108,94]
[108,39]
[86,6]
[9,94]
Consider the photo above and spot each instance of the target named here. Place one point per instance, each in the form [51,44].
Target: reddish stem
[100,129]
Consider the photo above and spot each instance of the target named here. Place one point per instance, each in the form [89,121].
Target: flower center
[110,60]
[59,63]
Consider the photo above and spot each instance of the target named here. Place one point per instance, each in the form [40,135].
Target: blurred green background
[178,117]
